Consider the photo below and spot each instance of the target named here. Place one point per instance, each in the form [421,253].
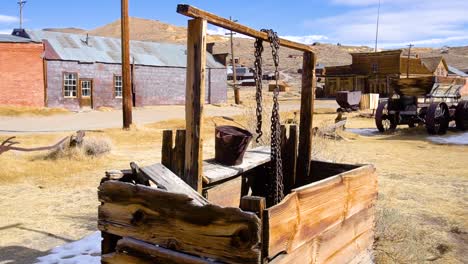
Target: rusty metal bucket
[230,144]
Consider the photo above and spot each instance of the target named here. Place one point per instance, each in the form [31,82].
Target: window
[118,86]
[85,88]
[375,67]
[69,84]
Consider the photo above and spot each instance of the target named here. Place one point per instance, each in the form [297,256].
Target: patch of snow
[459,139]
[368,132]
[84,251]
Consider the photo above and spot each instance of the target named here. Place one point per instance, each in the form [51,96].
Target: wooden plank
[307,110]
[289,157]
[178,153]
[168,181]
[194,12]
[194,101]
[174,221]
[226,194]
[141,252]
[312,209]
[166,149]
[214,172]
[109,242]
[349,242]
[255,204]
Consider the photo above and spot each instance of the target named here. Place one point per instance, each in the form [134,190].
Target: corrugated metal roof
[14,39]
[73,47]
[457,71]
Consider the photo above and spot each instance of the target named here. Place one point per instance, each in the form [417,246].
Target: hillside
[290,60]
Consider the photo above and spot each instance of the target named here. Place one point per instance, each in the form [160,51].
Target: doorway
[86,93]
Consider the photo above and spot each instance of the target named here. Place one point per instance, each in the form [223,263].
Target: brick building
[85,72]
[371,72]
[21,72]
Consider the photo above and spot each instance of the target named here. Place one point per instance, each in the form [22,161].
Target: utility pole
[126,70]
[408,62]
[21,4]
[377,29]
[233,64]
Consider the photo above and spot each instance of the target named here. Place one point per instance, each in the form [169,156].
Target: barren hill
[290,60]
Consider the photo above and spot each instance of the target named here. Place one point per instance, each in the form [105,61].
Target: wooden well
[191,210]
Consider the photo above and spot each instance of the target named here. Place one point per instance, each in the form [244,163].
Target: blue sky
[422,22]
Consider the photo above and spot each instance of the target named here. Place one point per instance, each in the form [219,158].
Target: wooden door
[86,92]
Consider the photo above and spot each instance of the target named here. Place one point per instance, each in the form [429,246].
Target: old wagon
[190,210]
[421,101]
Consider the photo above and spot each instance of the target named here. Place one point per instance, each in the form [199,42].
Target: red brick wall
[21,74]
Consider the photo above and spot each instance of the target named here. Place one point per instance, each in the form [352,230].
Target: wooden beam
[194,12]
[194,101]
[126,74]
[307,110]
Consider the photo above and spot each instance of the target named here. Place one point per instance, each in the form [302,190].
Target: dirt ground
[422,215]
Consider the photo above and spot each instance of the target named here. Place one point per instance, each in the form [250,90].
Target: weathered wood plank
[194,101]
[312,209]
[226,194]
[214,172]
[135,251]
[289,156]
[166,149]
[194,12]
[307,110]
[174,221]
[348,242]
[168,181]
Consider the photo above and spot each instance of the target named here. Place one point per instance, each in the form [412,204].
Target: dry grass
[33,111]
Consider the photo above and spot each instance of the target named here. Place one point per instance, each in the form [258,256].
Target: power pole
[408,62]
[126,70]
[377,29]
[233,64]
[21,4]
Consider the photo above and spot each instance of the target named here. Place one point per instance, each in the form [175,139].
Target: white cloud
[306,39]
[213,30]
[8,19]
[422,22]
[6,31]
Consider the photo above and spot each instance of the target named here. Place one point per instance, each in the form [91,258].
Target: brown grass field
[422,215]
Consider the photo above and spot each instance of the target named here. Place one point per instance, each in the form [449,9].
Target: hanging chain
[276,171]
[258,83]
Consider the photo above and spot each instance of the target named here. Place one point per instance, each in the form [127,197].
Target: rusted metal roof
[14,39]
[74,47]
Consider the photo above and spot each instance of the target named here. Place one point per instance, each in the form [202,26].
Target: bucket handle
[227,118]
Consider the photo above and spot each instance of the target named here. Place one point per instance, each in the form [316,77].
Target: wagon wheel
[437,118]
[461,115]
[383,120]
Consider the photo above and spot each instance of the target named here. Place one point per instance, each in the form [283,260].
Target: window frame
[114,82]
[77,78]
[90,88]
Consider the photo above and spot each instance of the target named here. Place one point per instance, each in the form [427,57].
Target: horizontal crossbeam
[194,12]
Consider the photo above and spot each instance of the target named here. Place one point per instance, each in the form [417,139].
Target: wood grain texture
[134,251]
[168,181]
[214,172]
[176,222]
[194,12]
[289,156]
[226,194]
[349,242]
[307,110]
[194,101]
[314,208]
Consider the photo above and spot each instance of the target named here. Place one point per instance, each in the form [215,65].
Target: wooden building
[85,72]
[371,72]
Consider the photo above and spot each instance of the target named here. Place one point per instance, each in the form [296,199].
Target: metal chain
[258,83]
[276,171]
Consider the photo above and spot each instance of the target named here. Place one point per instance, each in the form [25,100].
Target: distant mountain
[291,60]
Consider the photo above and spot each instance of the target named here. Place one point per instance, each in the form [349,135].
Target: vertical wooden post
[194,100]
[126,74]
[307,111]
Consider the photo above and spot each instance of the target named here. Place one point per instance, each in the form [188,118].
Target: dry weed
[34,111]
